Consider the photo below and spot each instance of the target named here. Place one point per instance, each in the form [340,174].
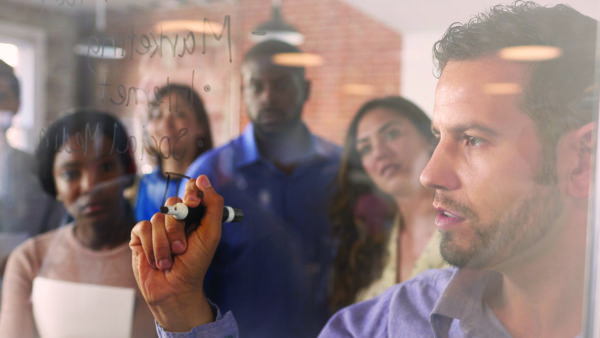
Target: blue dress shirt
[271,270]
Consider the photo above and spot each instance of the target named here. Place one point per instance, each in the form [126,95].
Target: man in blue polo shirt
[271,269]
[511,172]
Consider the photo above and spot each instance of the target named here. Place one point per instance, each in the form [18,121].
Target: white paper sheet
[66,309]
[9,241]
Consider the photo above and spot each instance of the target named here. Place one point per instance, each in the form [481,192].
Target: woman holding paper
[77,279]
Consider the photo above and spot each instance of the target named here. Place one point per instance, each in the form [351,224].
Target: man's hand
[170,268]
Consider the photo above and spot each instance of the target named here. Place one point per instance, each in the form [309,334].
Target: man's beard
[511,232]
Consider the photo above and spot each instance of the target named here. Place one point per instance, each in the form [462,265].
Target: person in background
[85,161]
[512,174]
[388,143]
[272,268]
[178,131]
[20,186]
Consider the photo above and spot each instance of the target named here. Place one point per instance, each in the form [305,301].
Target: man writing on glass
[511,172]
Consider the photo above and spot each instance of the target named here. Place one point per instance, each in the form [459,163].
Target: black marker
[192,216]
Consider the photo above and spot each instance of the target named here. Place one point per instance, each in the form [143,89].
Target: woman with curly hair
[388,144]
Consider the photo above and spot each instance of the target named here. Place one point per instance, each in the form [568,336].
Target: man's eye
[473,141]
[256,87]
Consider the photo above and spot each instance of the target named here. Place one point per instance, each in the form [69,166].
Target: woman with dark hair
[178,131]
[387,145]
[85,162]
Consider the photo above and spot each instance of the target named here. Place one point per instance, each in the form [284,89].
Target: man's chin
[454,260]
[466,259]
[273,128]
[456,256]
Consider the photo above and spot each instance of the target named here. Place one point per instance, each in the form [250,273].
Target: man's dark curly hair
[562,93]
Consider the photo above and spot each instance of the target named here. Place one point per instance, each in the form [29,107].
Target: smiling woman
[53,280]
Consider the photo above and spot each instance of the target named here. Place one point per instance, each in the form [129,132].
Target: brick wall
[210,73]
[356,50]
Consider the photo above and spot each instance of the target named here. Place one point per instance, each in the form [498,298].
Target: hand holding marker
[192,216]
[182,212]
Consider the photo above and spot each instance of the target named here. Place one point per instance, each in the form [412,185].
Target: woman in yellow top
[388,144]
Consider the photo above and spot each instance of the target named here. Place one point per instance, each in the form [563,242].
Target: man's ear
[581,173]
[306,90]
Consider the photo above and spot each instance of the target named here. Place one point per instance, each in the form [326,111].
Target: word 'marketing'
[154,44]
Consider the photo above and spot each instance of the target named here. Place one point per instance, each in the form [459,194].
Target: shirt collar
[249,152]
[463,300]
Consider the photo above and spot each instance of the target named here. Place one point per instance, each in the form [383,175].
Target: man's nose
[268,95]
[439,173]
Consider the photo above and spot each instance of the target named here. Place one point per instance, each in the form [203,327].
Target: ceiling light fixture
[359,89]
[99,46]
[502,88]
[276,28]
[297,59]
[188,25]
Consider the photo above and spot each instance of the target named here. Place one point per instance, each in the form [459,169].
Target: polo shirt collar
[248,152]
[248,149]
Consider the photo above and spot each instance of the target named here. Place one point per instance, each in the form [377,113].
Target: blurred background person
[272,268]
[20,187]
[387,145]
[85,162]
[178,131]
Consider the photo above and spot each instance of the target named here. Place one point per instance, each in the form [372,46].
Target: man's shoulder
[327,148]
[231,147]
[405,306]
